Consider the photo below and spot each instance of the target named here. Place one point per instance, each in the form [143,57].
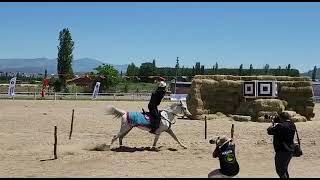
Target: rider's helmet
[162,84]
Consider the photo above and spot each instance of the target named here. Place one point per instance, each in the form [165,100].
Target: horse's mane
[170,107]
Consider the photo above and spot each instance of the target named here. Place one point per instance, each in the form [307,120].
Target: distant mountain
[39,65]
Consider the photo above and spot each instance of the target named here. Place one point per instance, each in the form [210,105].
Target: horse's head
[180,108]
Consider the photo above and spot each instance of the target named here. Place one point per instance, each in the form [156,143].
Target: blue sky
[120,33]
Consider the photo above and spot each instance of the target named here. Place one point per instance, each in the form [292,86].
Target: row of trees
[149,69]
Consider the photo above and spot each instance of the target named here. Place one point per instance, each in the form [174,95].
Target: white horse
[167,117]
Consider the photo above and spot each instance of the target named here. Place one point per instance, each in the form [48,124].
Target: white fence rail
[88,96]
[81,96]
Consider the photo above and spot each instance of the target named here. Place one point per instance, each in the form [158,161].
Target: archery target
[265,89]
[249,89]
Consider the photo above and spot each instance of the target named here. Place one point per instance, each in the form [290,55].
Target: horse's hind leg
[125,128]
[126,131]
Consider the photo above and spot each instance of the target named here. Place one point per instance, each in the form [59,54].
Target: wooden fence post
[71,124]
[205,127]
[232,131]
[55,143]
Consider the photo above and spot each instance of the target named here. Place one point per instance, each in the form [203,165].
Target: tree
[314,73]
[202,70]
[111,75]
[216,68]
[266,68]
[154,71]
[65,56]
[278,72]
[45,74]
[240,69]
[132,70]
[197,68]
[288,69]
[250,70]
[289,66]
[146,69]
[177,67]
[193,71]
[126,88]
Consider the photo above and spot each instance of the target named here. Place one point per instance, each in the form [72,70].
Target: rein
[173,120]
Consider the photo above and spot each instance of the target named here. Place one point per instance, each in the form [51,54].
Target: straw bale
[210,83]
[290,114]
[306,91]
[269,105]
[270,113]
[241,118]
[230,83]
[294,83]
[262,119]
[299,118]
[267,78]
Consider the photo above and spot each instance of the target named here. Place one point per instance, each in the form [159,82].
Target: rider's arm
[215,152]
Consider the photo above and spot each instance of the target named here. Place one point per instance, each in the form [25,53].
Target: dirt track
[26,137]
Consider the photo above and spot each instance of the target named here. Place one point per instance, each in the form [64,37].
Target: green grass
[135,87]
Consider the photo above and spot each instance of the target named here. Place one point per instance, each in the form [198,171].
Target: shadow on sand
[134,149]
[104,147]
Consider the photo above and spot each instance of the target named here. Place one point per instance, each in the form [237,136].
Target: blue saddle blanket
[138,119]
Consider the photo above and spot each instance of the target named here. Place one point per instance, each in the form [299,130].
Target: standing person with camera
[283,134]
[225,151]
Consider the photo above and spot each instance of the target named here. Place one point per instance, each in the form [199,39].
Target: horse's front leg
[156,138]
[169,131]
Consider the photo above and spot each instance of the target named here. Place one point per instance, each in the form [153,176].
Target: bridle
[174,114]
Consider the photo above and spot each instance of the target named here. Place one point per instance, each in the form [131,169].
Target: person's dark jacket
[283,136]
[156,98]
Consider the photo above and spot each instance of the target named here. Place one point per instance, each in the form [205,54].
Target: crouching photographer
[225,150]
[283,131]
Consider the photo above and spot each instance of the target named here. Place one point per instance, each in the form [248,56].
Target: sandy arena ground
[26,137]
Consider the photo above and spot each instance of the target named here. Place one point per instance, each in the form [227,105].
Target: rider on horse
[154,102]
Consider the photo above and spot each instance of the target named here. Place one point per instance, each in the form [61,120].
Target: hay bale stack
[223,93]
[299,95]
[194,101]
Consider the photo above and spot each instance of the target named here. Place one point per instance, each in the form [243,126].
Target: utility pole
[177,67]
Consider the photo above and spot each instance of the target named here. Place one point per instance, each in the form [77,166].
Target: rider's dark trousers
[155,120]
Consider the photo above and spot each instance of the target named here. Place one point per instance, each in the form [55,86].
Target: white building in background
[316,91]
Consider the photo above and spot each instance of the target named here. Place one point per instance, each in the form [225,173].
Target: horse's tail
[115,111]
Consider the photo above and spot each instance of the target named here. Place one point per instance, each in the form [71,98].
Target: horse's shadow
[135,149]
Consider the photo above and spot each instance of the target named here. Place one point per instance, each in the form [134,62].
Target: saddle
[148,115]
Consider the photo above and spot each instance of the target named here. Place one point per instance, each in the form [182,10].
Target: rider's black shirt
[227,158]
[156,98]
